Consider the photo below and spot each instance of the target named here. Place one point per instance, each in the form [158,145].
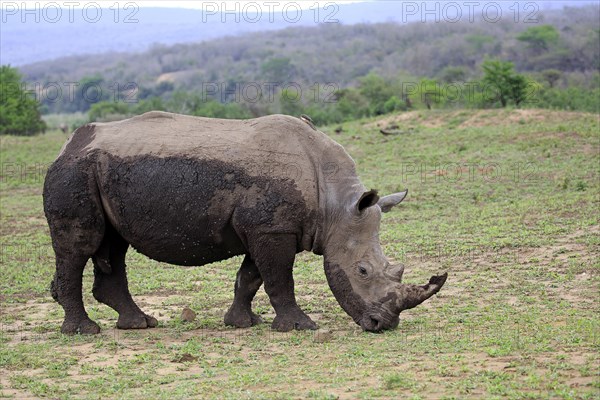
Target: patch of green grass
[398,381]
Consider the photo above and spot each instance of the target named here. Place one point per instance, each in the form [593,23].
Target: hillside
[338,53]
[125,27]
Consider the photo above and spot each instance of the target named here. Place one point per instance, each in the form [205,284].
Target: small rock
[188,315]
[323,336]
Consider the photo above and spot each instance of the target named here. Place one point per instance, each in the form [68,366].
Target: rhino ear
[387,202]
[367,199]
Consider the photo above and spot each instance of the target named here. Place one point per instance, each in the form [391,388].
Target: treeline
[499,85]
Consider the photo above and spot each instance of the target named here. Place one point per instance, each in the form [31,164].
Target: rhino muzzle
[377,321]
[386,314]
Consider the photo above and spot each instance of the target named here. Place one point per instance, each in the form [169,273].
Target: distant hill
[338,53]
[52,36]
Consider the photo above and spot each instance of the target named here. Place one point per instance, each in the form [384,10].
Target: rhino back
[274,146]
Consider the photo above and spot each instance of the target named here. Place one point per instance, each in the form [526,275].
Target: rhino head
[366,285]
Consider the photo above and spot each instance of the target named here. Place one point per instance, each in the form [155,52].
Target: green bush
[394,104]
[509,85]
[19,113]
[181,102]
[376,91]
[571,98]
[540,38]
[214,109]
[108,111]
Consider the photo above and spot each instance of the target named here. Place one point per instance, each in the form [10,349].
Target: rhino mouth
[378,321]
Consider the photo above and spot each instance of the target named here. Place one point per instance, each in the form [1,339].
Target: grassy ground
[505,201]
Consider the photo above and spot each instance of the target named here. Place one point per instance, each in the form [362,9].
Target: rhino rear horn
[413,295]
[387,202]
[395,272]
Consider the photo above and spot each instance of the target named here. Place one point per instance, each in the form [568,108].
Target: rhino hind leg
[66,290]
[76,224]
[274,256]
[110,282]
[247,283]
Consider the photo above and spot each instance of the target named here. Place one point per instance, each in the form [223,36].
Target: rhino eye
[362,270]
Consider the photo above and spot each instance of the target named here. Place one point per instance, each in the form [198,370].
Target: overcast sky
[197,4]
[200,4]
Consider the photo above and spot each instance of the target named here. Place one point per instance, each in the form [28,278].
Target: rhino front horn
[413,295]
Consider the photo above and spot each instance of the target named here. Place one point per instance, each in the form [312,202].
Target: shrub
[19,113]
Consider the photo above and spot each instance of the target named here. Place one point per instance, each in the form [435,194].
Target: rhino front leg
[274,256]
[247,283]
[110,283]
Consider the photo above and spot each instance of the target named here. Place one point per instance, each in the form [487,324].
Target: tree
[214,109]
[394,104]
[104,111]
[149,104]
[518,88]
[478,41]
[501,76]
[278,69]
[80,95]
[19,113]
[539,38]
[352,104]
[551,76]
[453,74]
[377,91]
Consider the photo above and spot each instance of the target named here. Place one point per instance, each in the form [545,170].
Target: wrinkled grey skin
[190,191]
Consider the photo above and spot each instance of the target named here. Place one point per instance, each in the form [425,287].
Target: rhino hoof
[84,327]
[151,321]
[298,322]
[139,321]
[242,320]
